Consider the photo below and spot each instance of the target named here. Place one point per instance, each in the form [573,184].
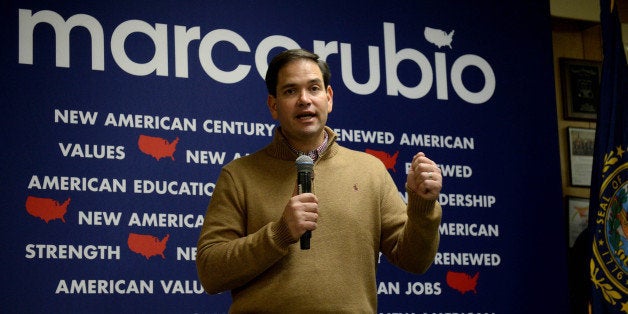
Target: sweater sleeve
[410,235]
[227,257]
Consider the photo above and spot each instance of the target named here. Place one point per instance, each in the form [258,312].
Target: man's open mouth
[305,116]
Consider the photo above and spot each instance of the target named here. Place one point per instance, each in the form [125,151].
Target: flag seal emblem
[609,265]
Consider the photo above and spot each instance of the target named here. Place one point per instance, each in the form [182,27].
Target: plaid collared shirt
[314,153]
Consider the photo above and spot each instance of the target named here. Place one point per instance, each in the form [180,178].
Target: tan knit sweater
[243,247]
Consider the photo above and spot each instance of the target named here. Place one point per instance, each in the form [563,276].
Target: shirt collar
[314,154]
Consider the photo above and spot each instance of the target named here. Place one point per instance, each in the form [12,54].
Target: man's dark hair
[280,60]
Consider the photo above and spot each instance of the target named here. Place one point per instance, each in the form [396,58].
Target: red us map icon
[462,282]
[157,147]
[389,160]
[46,209]
[147,245]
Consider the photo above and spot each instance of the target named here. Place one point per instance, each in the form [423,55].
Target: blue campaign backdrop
[104,104]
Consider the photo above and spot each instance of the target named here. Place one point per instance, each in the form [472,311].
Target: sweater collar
[279,147]
[314,154]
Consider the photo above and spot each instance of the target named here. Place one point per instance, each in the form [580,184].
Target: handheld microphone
[305,169]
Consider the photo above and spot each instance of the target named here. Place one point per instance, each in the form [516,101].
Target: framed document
[580,81]
[581,144]
[577,217]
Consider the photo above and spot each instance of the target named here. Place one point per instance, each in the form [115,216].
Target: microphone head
[304,164]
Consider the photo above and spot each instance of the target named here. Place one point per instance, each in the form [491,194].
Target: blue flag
[608,217]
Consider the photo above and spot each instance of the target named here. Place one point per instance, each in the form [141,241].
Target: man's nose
[304,98]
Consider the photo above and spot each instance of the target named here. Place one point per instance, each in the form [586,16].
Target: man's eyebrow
[310,82]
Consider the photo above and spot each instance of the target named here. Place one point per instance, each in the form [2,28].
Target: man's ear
[330,98]
[271,101]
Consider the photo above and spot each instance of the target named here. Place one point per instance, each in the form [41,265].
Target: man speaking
[257,214]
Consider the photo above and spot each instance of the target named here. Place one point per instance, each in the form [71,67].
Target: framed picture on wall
[580,82]
[581,144]
[577,217]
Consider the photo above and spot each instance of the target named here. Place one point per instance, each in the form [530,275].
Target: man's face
[302,103]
